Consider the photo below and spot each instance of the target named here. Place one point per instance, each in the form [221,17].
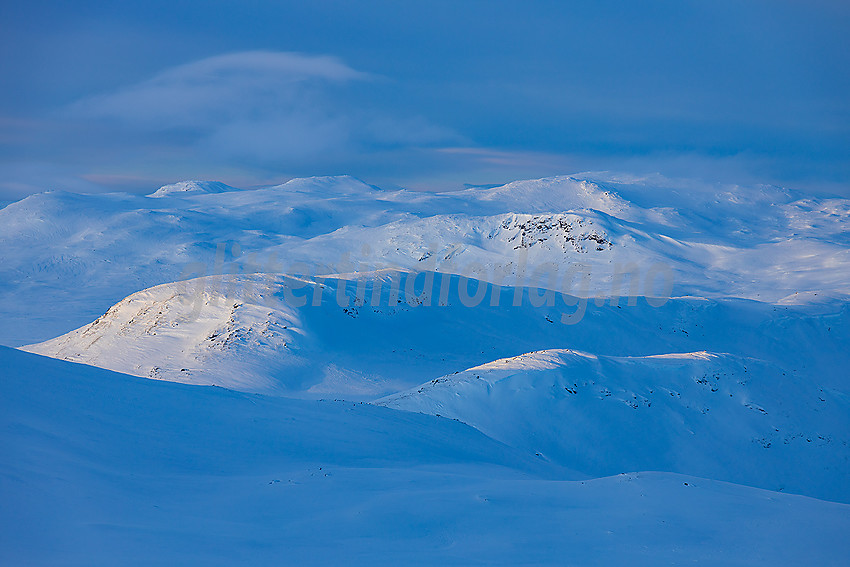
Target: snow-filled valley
[573,370]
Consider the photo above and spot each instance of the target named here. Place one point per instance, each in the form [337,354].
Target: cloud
[258,108]
[218,89]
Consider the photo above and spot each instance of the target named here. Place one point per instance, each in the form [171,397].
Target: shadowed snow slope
[101,468]
[718,416]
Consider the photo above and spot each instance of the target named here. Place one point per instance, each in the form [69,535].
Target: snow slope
[101,468]
[718,416]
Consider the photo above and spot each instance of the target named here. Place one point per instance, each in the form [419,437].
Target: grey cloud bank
[130,97]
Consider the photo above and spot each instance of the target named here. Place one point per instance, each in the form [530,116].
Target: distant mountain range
[534,311]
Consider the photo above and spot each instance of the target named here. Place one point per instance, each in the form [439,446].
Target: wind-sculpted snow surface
[102,468]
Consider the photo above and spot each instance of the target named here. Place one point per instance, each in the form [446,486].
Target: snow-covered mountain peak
[556,194]
[656,190]
[330,185]
[187,332]
[193,187]
[556,357]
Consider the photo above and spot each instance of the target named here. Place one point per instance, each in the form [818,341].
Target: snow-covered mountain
[184,188]
[717,416]
[360,336]
[770,416]
[67,258]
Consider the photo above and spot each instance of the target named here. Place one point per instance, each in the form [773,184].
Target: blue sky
[127,96]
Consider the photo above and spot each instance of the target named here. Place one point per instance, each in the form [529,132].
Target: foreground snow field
[102,468]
